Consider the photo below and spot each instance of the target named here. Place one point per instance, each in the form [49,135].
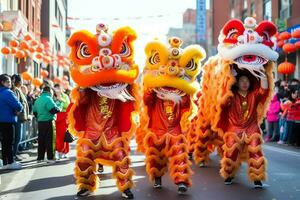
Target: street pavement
[56,181]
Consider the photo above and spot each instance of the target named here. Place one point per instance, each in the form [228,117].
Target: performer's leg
[179,164]
[256,161]
[156,159]
[230,161]
[85,167]
[121,170]
[201,152]
[191,138]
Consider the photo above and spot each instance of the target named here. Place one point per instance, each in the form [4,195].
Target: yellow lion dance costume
[243,50]
[103,113]
[169,83]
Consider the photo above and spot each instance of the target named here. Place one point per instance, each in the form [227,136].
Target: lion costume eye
[83,51]
[154,58]
[192,66]
[125,50]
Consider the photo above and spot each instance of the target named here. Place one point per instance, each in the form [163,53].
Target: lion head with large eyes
[104,61]
[249,46]
[170,70]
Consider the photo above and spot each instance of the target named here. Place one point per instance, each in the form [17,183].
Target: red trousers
[61,128]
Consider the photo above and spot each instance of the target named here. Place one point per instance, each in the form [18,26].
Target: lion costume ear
[122,43]
[83,42]
[190,59]
[157,54]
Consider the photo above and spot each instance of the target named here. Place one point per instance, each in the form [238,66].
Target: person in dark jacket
[45,109]
[10,107]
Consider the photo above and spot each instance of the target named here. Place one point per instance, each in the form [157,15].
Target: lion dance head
[170,70]
[104,61]
[249,46]
[244,48]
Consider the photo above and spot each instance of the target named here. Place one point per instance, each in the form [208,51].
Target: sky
[149,18]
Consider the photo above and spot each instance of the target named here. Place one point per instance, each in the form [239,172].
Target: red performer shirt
[242,111]
[105,116]
[165,115]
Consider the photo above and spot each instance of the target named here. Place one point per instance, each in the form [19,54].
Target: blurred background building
[45,21]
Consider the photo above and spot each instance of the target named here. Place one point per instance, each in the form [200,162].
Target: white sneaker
[14,166]
[4,167]
[51,161]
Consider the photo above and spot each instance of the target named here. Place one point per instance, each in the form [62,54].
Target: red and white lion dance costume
[227,118]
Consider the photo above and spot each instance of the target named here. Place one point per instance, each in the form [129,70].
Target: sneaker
[182,188]
[280,142]
[190,156]
[100,168]
[228,181]
[39,161]
[258,184]
[157,182]
[4,167]
[127,194]
[18,158]
[83,193]
[64,156]
[51,161]
[14,166]
[202,164]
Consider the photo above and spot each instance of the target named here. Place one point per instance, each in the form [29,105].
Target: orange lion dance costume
[103,113]
[244,50]
[169,83]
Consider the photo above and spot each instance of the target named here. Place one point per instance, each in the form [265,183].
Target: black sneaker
[228,181]
[83,193]
[127,194]
[258,184]
[100,168]
[157,182]
[182,188]
[190,156]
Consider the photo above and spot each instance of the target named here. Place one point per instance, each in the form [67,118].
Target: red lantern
[280,43]
[14,43]
[286,68]
[34,43]
[14,50]
[297,45]
[26,76]
[27,37]
[289,48]
[285,35]
[37,82]
[44,73]
[32,49]
[57,80]
[20,54]
[6,50]
[24,45]
[296,34]
[38,56]
[40,48]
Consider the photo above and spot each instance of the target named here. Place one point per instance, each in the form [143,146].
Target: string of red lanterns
[283,43]
[39,51]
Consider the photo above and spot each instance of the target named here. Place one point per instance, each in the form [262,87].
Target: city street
[54,182]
